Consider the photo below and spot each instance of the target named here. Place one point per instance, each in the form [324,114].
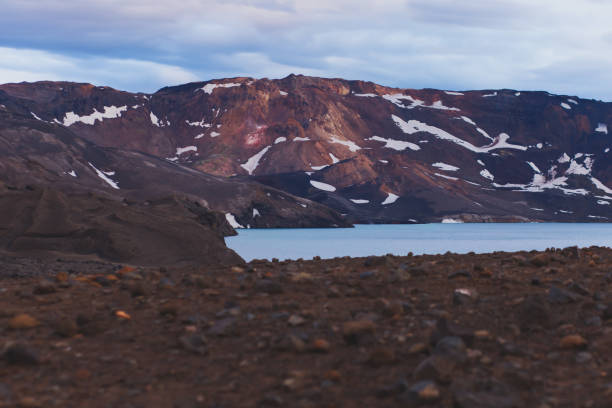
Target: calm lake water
[364,240]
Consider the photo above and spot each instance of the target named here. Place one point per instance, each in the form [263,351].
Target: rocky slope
[34,152]
[464,331]
[170,231]
[379,154]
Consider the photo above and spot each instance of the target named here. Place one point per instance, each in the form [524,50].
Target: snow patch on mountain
[353,147]
[181,150]
[602,128]
[253,161]
[104,176]
[445,167]
[391,198]
[201,123]
[209,88]
[414,126]
[322,186]
[399,145]
[110,112]
[231,219]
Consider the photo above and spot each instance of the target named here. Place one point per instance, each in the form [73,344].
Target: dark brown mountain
[376,153]
[34,152]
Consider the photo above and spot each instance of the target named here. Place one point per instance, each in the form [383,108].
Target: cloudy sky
[562,46]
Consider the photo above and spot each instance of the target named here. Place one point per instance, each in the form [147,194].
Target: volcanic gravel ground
[528,329]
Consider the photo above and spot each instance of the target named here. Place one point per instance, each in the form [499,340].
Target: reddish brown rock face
[389,155]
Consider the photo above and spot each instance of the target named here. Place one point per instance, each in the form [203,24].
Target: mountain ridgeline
[304,151]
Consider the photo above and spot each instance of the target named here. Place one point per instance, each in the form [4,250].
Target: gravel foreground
[501,330]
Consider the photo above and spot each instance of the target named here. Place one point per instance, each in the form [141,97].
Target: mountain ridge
[486,155]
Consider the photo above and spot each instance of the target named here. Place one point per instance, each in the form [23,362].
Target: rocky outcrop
[170,231]
[376,153]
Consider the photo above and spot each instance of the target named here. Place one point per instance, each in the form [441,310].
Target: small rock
[367,274]
[579,289]
[268,286]
[594,321]
[66,327]
[460,274]
[320,346]
[381,356]
[224,327]
[29,402]
[423,392]
[393,389]
[573,341]
[137,288]
[437,367]
[295,320]
[540,260]
[417,348]
[464,296]
[23,321]
[533,313]
[169,309]
[389,308]
[583,357]
[354,331]
[453,347]
[20,353]
[195,343]
[561,296]
[44,287]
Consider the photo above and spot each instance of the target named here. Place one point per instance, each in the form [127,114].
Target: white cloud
[562,46]
[18,65]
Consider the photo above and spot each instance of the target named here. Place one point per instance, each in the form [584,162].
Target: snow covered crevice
[414,126]
[104,176]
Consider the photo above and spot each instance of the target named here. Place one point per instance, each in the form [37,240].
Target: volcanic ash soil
[501,330]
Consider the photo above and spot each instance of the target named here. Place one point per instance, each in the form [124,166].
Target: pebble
[44,287]
[23,321]
[533,313]
[540,260]
[19,353]
[268,286]
[354,331]
[453,347]
[224,327]
[169,309]
[321,346]
[561,296]
[296,320]
[423,392]
[381,356]
[573,341]
[195,343]
[437,367]
[66,327]
[583,357]
[464,296]
[460,274]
